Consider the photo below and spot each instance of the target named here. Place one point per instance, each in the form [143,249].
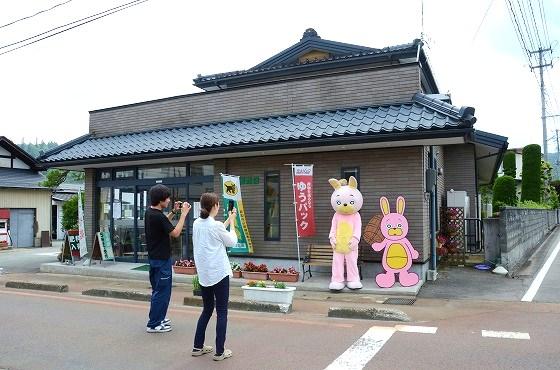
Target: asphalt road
[66,331]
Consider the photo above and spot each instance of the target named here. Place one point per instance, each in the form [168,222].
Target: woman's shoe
[199,352]
[227,354]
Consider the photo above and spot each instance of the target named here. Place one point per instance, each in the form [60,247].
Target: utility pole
[543,109]
[557,149]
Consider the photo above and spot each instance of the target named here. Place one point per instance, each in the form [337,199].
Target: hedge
[531,173]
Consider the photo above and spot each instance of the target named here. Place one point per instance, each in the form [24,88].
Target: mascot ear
[353,183]
[400,205]
[334,183]
[384,203]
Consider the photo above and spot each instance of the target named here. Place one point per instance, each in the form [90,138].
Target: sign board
[102,247]
[231,190]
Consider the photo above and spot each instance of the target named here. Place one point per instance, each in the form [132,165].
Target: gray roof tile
[18,178]
[423,113]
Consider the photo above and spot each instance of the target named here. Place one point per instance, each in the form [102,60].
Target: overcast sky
[155,49]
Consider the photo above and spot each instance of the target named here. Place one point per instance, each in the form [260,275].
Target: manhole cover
[401,301]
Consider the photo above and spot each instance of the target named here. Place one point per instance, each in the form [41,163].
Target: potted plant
[259,291]
[236,269]
[255,272]
[290,274]
[184,267]
[196,286]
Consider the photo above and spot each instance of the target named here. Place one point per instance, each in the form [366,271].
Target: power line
[483,18]
[91,19]
[543,19]
[530,6]
[31,16]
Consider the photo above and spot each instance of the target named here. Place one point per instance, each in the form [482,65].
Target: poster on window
[231,190]
[303,190]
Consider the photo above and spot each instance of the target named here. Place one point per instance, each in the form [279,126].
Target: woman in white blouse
[210,239]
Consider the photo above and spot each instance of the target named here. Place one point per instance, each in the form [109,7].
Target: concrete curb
[368,314]
[135,296]
[37,286]
[245,305]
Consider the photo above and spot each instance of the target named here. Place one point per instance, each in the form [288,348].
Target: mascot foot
[354,285]
[386,280]
[336,286]
[408,278]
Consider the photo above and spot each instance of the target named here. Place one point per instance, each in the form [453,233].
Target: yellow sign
[230,188]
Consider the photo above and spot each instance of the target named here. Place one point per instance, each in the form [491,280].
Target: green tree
[55,177]
[70,213]
[504,192]
[509,164]
[531,177]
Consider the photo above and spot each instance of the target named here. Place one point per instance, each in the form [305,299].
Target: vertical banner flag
[231,191]
[305,217]
[81,227]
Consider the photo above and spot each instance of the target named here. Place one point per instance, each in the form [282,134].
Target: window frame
[356,168]
[265,183]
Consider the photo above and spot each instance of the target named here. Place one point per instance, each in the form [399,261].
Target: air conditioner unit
[458,199]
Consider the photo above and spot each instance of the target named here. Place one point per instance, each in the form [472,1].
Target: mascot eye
[338,202]
[352,202]
[399,225]
[388,226]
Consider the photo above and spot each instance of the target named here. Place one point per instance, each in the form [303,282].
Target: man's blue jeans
[160,278]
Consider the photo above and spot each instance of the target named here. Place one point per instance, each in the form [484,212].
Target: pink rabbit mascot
[398,252]
[346,230]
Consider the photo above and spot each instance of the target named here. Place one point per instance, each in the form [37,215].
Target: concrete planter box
[268,294]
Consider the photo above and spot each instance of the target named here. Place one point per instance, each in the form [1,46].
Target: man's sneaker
[159,329]
[166,322]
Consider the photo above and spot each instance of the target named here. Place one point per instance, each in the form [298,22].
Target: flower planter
[237,274]
[254,275]
[268,294]
[288,278]
[184,270]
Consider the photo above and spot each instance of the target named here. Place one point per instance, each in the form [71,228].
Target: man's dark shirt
[157,228]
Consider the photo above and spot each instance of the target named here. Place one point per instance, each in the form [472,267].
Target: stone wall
[519,233]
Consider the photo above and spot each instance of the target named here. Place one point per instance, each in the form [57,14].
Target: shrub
[529,204]
[195,283]
[509,164]
[70,213]
[505,193]
[531,173]
[279,285]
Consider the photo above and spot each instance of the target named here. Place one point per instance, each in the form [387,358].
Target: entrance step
[474,259]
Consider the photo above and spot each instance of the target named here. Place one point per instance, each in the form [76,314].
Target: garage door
[21,227]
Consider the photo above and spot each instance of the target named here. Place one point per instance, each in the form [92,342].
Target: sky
[155,49]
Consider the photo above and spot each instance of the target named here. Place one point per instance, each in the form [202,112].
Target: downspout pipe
[433,210]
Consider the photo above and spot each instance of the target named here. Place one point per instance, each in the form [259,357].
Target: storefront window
[159,172]
[351,171]
[104,209]
[124,174]
[202,169]
[123,222]
[105,175]
[197,189]
[272,206]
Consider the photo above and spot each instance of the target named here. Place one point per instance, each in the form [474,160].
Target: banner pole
[295,217]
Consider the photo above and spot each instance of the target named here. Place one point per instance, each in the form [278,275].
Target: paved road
[26,259]
[68,331]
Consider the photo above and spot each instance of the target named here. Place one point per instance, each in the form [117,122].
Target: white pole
[295,217]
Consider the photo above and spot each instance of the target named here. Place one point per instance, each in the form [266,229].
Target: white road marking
[416,329]
[363,350]
[47,254]
[536,284]
[505,334]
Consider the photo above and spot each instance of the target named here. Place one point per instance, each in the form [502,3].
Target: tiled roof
[423,113]
[18,178]
[261,68]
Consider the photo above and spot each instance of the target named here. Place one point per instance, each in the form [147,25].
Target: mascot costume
[398,252]
[346,230]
